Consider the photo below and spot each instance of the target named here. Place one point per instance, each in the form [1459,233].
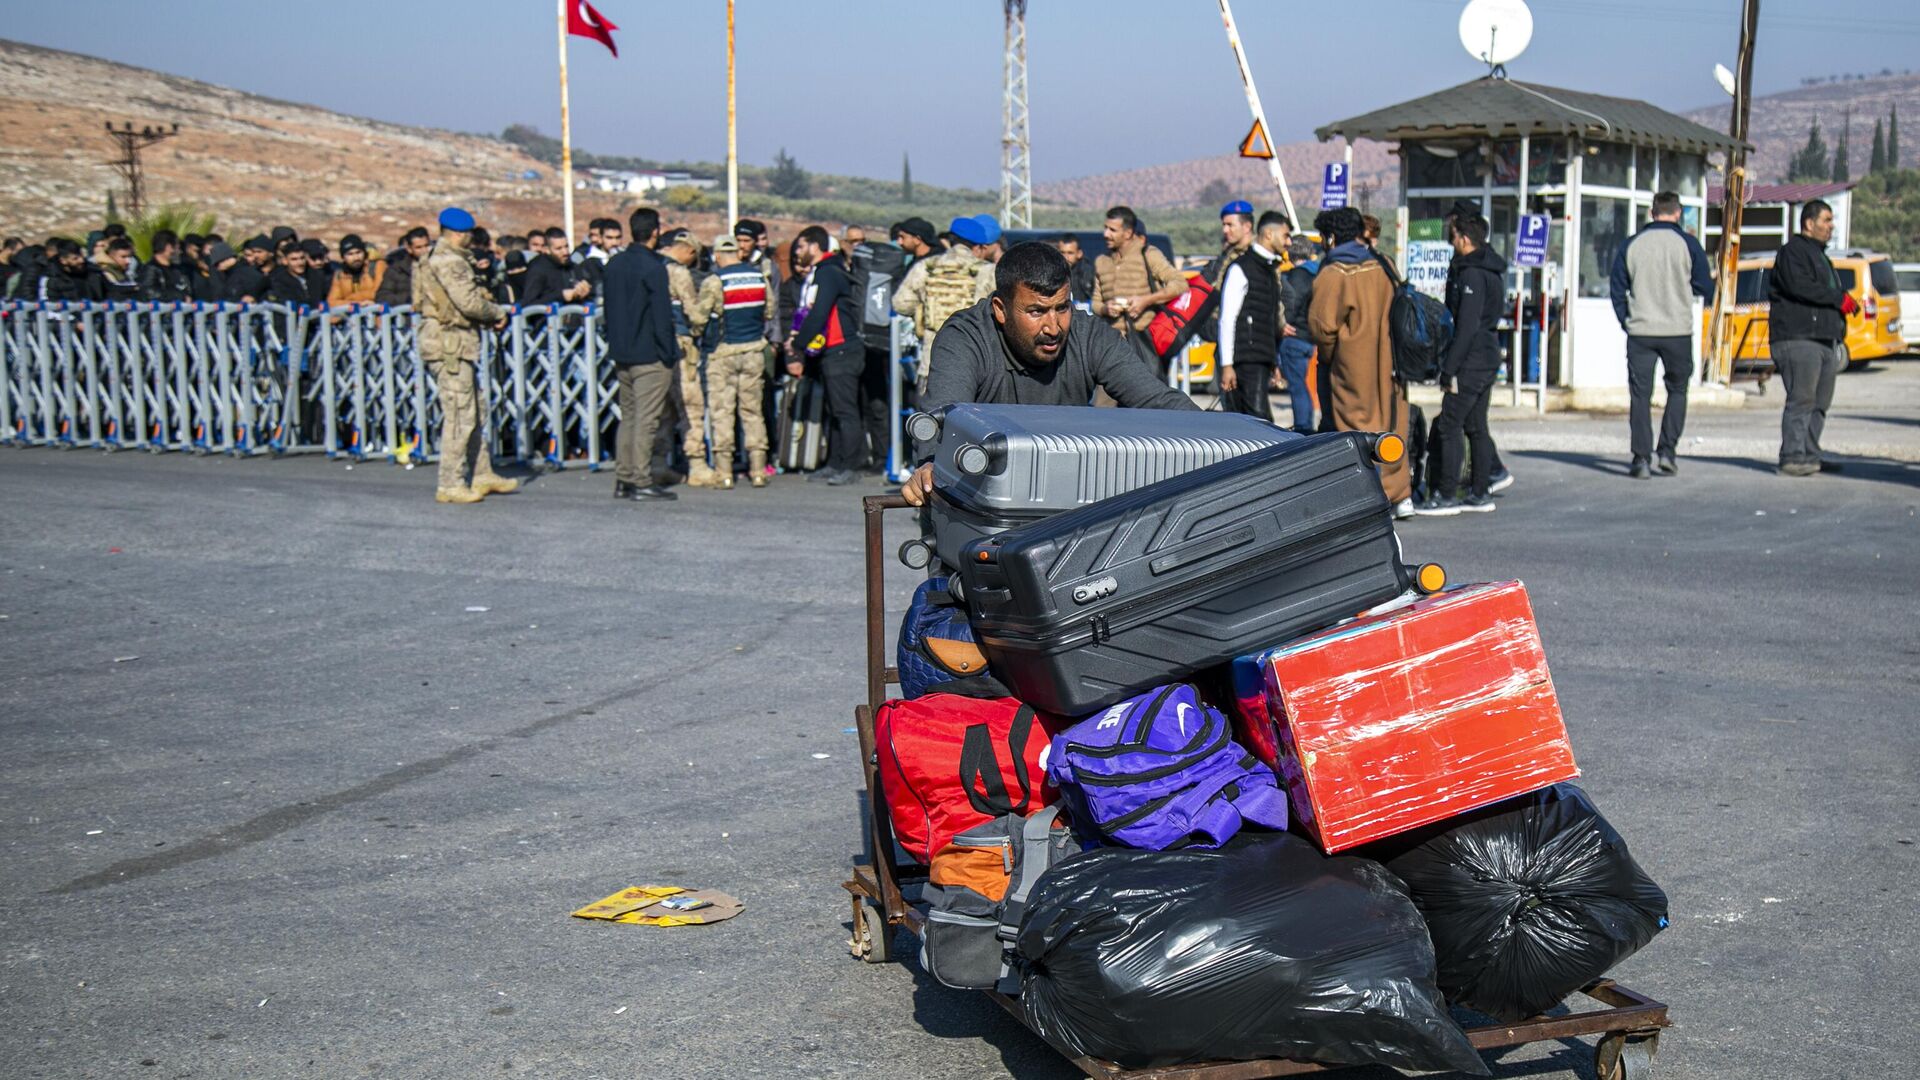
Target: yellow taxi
[1873,331]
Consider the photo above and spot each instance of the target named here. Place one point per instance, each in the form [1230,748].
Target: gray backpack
[977,889]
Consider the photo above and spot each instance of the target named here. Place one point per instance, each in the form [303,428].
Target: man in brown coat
[1348,317]
[1132,281]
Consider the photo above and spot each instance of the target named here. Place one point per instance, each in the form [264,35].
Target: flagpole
[1259,113]
[566,131]
[733,147]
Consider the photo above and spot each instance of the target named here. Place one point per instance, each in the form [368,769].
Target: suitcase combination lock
[1090,591]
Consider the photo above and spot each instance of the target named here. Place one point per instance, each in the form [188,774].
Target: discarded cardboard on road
[664,905]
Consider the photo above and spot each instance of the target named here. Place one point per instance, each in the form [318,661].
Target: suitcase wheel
[915,554]
[923,427]
[1389,448]
[1430,578]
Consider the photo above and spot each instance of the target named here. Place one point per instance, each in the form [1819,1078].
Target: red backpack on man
[948,763]
[1164,330]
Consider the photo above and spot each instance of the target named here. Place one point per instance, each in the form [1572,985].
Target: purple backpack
[1160,771]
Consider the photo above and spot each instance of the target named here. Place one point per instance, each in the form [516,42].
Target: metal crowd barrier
[273,379]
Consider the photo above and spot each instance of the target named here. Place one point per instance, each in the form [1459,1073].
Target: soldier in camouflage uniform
[452,308]
[937,287]
[741,297]
[689,318]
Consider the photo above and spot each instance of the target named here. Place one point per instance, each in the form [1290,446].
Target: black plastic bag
[1263,948]
[1528,901]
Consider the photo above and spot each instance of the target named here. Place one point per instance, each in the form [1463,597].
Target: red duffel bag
[1167,323]
[948,763]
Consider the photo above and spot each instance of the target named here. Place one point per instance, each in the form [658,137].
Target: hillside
[1779,128]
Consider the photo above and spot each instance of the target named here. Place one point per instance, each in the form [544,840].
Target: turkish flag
[584,20]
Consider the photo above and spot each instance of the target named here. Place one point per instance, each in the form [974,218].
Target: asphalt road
[276,802]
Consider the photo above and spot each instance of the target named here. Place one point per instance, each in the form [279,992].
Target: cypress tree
[1840,169]
[906,179]
[1878,162]
[1811,162]
[1893,138]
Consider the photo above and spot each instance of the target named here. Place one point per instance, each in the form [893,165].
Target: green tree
[113,211]
[175,218]
[1811,162]
[1886,213]
[906,180]
[1878,162]
[1213,193]
[684,197]
[1840,170]
[1893,137]
[788,180]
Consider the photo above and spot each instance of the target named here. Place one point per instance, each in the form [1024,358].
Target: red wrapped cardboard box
[1407,717]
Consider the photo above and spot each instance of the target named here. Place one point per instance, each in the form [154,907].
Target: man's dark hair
[164,239]
[642,224]
[1339,226]
[558,235]
[119,244]
[813,234]
[418,232]
[1036,265]
[513,242]
[214,238]
[1811,211]
[481,239]
[63,247]
[1666,203]
[1272,218]
[603,224]
[1066,238]
[113,229]
[1125,216]
[611,225]
[1474,228]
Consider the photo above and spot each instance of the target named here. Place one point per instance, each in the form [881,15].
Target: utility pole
[1720,339]
[131,142]
[566,132]
[1259,112]
[1016,170]
[733,144]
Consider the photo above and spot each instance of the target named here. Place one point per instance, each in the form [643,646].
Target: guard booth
[1591,164]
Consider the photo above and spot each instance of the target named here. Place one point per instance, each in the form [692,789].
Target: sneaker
[842,478]
[1499,482]
[1799,468]
[1665,465]
[460,495]
[1403,510]
[1477,504]
[821,476]
[1641,470]
[1437,506]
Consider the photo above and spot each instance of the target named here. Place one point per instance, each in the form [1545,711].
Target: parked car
[1907,276]
[1872,332]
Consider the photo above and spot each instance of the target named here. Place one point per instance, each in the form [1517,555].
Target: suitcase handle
[1205,549]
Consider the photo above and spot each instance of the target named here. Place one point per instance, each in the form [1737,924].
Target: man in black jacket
[1807,319]
[289,284]
[64,277]
[246,283]
[642,346]
[549,279]
[1024,346]
[831,331]
[396,287]
[1476,295]
[161,277]
[1250,313]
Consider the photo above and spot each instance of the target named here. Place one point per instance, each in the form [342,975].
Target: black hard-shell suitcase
[1086,608]
[803,427]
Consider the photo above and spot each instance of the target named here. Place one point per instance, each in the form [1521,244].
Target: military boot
[700,476]
[757,468]
[461,495]
[491,484]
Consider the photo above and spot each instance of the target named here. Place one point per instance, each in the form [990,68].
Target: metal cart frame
[1628,1023]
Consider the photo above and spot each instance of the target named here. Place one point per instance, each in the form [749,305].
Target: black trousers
[875,402]
[1675,354]
[842,369]
[1463,419]
[1250,394]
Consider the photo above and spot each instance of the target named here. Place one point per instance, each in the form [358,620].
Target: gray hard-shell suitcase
[997,467]
[1084,609]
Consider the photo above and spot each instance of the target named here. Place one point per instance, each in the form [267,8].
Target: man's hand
[1287,330]
[1274,380]
[1848,305]
[1117,306]
[502,324]
[1228,380]
[918,486]
[796,369]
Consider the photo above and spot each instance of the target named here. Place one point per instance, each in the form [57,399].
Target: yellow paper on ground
[627,900]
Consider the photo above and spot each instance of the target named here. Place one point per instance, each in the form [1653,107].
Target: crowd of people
[702,331]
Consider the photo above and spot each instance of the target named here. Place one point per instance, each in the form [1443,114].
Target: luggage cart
[1628,1024]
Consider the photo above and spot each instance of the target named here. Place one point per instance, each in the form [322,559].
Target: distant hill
[1778,129]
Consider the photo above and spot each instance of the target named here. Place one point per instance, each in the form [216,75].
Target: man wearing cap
[452,308]
[737,370]
[1250,320]
[934,289]
[358,278]
[916,237]
[689,319]
[1236,235]
[210,284]
[247,282]
[1131,282]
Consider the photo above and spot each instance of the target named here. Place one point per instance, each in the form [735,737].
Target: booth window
[1427,169]
[1608,165]
[1603,228]
[1683,174]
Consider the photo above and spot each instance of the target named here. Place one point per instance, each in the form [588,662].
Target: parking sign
[1333,186]
[1530,246]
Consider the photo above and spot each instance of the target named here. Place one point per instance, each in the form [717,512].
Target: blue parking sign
[1530,246]
[1333,185]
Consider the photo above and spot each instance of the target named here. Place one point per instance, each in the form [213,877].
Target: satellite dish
[1724,77]
[1496,31]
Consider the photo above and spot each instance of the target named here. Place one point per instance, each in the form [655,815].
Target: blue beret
[969,230]
[989,228]
[456,219]
[1237,206]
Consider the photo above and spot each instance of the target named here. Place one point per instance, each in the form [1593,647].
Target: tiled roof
[1507,108]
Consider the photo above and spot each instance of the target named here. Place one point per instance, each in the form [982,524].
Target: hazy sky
[848,85]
